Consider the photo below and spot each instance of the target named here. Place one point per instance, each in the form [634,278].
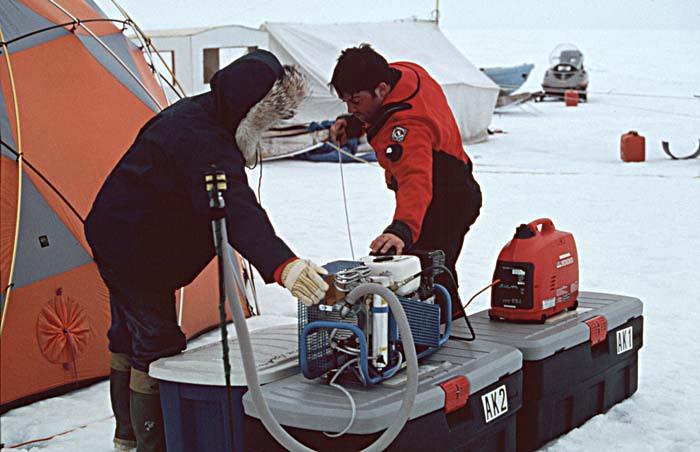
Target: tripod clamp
[215,183]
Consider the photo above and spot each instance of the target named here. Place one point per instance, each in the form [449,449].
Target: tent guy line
[48,438]
[147,45]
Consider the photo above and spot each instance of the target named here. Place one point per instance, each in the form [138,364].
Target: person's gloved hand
[338,131]
[303,279]
[345,128]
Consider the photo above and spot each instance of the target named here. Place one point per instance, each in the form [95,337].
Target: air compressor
[362,337]
[536,274]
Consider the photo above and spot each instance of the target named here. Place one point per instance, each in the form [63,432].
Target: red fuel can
[632,147]
[571,98]
[537,272]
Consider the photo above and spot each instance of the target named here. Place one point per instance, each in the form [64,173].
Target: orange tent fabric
[63,329]
[79,107]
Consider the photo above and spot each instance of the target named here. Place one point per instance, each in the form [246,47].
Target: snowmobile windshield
[566,55]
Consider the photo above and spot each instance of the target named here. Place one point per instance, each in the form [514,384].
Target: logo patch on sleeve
[398,134]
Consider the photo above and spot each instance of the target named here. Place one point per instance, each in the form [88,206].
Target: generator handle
[546,223]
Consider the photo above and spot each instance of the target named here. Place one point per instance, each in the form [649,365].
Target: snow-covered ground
[635,224]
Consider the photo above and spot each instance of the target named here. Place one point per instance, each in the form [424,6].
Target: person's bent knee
[142,383]
[120,362]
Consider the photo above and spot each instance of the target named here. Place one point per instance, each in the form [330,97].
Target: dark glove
[354,127]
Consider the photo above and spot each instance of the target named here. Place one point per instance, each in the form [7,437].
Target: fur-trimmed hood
[252,94]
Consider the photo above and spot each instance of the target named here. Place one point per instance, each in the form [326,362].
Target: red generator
[537,273]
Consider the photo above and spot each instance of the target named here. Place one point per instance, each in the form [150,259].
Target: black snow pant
[144,321]
[455,207]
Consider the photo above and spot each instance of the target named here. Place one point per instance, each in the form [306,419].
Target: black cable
[459,300]
[222,323]
[46,181]
[215,184]
[168,82]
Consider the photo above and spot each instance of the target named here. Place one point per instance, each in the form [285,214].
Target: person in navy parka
[150,225]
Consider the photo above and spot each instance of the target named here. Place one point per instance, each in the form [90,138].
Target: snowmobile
[566,72]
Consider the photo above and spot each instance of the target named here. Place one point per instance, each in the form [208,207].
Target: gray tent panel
[117,43]
[94,6]
[45,247]
[18,20]
[5,129]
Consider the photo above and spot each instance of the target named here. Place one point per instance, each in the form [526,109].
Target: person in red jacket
[408,122]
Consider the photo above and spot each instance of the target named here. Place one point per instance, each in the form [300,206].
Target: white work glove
[303,279]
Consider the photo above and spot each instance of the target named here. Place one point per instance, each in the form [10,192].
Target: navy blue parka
[150,225]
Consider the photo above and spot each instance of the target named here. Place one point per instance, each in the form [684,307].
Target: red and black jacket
[417,142]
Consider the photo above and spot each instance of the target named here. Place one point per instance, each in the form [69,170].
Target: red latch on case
[599,329]
[456,393]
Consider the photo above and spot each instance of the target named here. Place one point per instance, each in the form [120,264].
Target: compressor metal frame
[363,364]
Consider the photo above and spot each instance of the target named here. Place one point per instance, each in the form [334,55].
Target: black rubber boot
[147,419]
[124,439]
[146,414]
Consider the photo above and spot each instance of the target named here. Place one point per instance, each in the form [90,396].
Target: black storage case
[196,417]
[567,379]
[463,430]
[308,408]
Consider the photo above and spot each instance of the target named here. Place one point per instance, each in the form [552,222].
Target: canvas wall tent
[192,52]
[71,109]
[315,48]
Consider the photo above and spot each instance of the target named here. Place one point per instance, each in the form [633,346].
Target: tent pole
[78,23]
[10,279]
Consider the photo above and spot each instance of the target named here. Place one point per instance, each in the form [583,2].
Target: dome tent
[75,92]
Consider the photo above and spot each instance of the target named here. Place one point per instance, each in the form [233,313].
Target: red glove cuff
[278,271]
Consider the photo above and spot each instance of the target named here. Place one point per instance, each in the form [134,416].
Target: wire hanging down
[345,203]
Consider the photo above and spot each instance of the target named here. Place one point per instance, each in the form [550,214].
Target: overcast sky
[573,14]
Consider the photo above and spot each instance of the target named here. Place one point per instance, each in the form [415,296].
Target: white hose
[353,408]
[251,373]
